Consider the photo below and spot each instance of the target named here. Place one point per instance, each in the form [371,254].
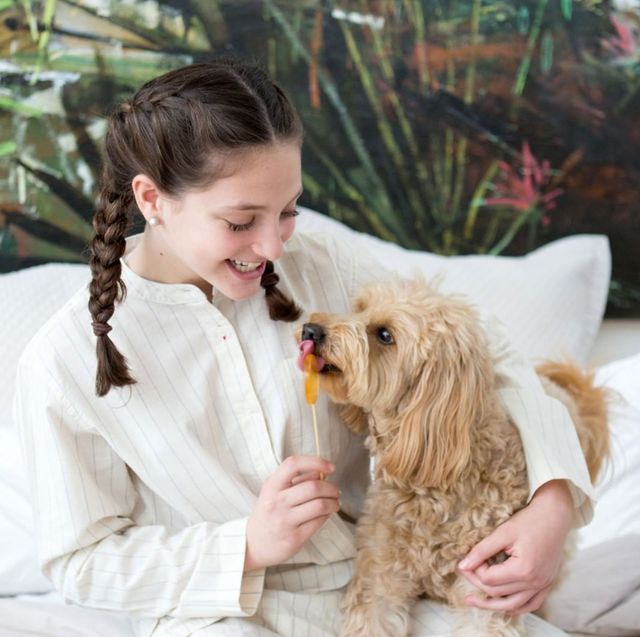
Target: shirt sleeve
[551,446]
[88,542]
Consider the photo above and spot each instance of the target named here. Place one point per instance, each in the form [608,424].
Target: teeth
[244,266]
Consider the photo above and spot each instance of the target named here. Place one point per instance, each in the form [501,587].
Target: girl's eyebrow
[253,206]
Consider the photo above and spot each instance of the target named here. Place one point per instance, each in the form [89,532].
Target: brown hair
[177,130]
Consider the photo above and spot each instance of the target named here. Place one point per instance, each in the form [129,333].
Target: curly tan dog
[413,370]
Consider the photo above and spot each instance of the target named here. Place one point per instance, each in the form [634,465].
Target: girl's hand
[293,504]
[534,539]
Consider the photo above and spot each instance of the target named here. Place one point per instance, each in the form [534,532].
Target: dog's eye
[384,336]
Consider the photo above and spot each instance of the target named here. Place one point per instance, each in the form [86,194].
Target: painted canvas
[470,126]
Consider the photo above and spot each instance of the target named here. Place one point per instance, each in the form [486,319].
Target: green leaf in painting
[9,104]
[7,148]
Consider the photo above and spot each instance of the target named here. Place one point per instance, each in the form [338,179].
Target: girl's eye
[237,227]
[290,213]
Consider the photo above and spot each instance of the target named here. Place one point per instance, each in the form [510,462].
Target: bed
[552,303]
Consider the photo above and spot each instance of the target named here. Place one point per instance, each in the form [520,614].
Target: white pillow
[617,509]
[551,301]
[29,297]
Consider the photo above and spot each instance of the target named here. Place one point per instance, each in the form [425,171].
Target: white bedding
[47,616]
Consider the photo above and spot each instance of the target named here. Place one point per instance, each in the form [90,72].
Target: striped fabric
[142,497]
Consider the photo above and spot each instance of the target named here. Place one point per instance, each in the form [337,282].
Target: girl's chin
[237,290]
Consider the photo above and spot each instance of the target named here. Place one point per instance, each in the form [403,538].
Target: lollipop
[311,383]
[311,364]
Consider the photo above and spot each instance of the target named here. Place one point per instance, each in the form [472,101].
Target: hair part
[177,129]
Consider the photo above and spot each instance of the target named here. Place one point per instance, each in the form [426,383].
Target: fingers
[534,603]
[295,466]
[479,580]
[519,603]
[516,569]
[510,603]
[308,490]
[313,510]
[499,540]
[296,492]
[311,475]
[496,575]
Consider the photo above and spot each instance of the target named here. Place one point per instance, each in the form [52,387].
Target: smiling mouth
[245,266]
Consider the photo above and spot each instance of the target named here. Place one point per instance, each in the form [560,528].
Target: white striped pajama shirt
[141,497]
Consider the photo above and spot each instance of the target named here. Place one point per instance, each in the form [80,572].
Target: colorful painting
[458,127]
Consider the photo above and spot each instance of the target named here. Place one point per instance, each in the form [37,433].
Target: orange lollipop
[311,382]
[311,385]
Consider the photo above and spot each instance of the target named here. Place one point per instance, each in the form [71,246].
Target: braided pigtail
[281,307]
[110,224]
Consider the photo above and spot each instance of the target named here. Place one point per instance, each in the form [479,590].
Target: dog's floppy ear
[447,398]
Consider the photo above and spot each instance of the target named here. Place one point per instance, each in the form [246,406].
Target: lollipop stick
[315,431]
[311,394]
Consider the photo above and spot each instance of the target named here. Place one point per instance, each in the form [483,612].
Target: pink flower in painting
[625,46]
[523,190]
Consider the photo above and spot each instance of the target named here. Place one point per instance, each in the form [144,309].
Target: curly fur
[449,464]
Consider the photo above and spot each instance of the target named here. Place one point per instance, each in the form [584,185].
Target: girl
[173,473]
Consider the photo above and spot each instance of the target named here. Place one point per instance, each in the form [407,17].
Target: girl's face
[222,235]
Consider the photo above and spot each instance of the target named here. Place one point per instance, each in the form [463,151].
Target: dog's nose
[313,332]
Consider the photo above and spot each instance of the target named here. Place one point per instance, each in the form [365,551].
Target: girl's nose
[269,245]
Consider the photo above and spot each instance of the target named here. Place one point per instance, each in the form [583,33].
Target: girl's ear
[147,196]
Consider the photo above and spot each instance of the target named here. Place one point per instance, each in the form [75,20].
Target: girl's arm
[88,542]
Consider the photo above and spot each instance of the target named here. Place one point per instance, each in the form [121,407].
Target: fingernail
[464,564]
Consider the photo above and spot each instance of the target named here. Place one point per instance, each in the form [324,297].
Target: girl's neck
[151,260]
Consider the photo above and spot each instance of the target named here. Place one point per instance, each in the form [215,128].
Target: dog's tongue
[306,348]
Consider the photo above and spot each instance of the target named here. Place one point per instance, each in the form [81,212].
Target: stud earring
[153,221]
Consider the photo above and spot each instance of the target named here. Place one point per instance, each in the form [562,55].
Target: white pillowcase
[617,510]
[29,297]
[551,301]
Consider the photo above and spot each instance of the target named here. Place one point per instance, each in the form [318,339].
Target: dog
[412,369]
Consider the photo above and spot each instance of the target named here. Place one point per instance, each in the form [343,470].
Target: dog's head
[417,361]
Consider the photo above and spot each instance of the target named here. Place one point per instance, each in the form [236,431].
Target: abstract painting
[458,127]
